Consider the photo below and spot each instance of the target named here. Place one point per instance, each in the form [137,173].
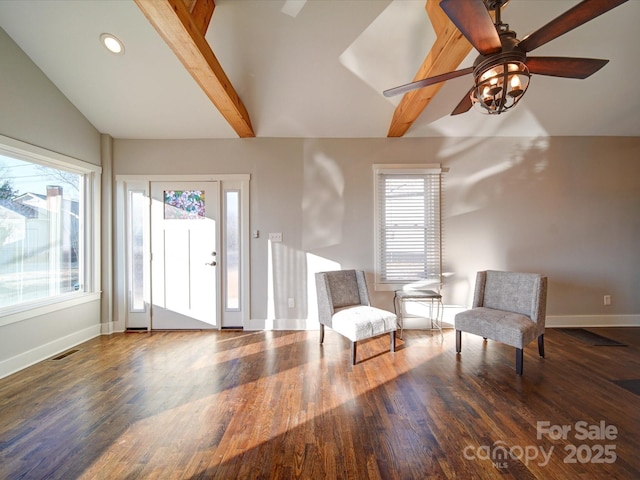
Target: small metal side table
[433,298]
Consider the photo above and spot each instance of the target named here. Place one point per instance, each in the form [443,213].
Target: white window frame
[89,233]
[236,317]
[384,284]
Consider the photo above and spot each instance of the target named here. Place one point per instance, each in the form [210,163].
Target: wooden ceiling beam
[201,12]
[446,55]
[173,20]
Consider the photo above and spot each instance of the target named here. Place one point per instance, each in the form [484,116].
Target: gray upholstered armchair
[508,307]
[343,305]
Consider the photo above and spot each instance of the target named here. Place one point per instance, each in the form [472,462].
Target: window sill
[23,312]
[408,285]
[388,287]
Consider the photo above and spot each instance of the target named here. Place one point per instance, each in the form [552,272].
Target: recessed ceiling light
[112,43]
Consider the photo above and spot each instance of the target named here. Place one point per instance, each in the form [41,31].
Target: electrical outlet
[607,299]
[292,303]
[275,237]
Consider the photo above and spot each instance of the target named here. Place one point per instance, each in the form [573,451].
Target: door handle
[213,262]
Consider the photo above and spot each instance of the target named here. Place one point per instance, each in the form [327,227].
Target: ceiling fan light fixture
[500,82]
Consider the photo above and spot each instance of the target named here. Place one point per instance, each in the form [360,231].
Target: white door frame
[125,315]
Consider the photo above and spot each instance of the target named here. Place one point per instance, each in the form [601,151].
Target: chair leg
[519,360]
[321,333]
[393,341]
[399,319]
[541,345]
[353,353]
[458,341]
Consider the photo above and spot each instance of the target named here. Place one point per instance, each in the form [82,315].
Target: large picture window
[408,228]
[43,212]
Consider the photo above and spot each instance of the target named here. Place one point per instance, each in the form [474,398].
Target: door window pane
[137,205]
[232,249]
[183,204]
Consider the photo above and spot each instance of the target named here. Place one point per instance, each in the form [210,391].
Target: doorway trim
[238,318]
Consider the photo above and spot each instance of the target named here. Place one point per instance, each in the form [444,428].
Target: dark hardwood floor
[227,405]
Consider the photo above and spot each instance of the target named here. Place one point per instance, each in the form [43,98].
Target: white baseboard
[254,324]
[108,328]
[559,321]
[421,323]
[282,324]
[578,321]
[38,354]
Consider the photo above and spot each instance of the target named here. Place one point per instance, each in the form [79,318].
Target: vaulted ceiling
[312,68]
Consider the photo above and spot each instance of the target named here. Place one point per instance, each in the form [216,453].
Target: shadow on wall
[587,227]
[549,206]
[288,282]
[291,275]
[323,201]
[493,199]
[327,211]
[292,286]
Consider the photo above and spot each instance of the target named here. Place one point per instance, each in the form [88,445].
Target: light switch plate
[275,237]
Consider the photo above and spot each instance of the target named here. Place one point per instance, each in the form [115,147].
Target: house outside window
[43,239]
[407,226]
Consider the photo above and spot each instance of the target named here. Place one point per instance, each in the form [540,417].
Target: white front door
[184,238]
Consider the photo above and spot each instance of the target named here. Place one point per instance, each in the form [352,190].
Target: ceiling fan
[502,70]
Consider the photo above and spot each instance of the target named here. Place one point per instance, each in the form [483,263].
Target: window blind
[409,230]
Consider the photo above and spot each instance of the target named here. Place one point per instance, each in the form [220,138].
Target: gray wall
[34,111]
[565,207]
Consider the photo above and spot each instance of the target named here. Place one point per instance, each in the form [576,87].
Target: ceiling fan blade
[426,82]
[474,22]
[464,105]
[566,67]
[574,17]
